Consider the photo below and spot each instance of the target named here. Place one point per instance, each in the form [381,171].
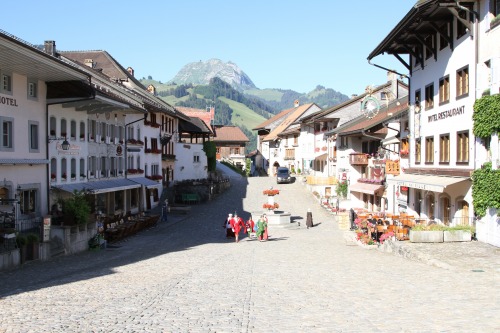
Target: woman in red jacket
[237,225]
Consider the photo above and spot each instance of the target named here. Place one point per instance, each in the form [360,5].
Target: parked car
[283,175]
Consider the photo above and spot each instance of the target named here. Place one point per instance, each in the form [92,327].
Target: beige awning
[366,188]
[426,182]
[390,141]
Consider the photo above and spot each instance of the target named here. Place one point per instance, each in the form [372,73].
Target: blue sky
[278,44]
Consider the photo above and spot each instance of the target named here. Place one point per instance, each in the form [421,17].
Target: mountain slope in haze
[202,72]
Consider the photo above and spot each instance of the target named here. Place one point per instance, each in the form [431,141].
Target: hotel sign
[447,114]
[8,101]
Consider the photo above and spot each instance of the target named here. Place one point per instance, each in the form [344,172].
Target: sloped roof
[194,125]
[341,106]
[290,118]
[104,63]
[361,123]
[271,120]
[204,115]
[230,133]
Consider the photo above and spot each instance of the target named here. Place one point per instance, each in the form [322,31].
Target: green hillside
[266,94]
[242,115]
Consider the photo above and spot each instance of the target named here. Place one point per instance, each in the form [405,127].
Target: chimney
[131,71]
[353,96]
[151,88]
[296,103]
[391,76]
[89,63]
[50,47]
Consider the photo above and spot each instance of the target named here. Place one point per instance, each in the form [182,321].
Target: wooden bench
[190,198]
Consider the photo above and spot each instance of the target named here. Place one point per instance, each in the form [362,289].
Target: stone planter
[457,236]
[435,236]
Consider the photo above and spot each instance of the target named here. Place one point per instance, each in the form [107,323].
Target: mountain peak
[202,71]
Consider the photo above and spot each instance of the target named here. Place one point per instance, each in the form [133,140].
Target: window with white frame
[444,148]
[463,82]
[463,147]
[28,201]
[6,84]
[429,149]
[444,90]
[32,89]
[155,170]
[33,137]
[7,143]
[196,158]
[429,96]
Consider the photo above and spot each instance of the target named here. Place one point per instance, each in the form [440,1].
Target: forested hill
[201,96]
[281,99]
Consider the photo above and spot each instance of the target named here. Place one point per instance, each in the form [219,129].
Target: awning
[145,181]
[366,188]
[101,186]
[321,157]
[16,161]
[390,141]
[426,182]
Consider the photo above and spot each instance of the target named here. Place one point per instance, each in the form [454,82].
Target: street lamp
[64,145]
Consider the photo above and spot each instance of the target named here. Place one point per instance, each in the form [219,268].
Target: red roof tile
[230,133]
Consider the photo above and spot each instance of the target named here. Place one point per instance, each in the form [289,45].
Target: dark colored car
[283,175]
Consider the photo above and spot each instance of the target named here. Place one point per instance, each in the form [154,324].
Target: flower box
[457,236]
[426,236]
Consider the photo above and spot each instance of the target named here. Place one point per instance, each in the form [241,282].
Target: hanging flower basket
[271,206]
[271,192]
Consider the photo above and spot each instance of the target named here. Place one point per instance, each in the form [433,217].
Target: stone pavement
[185,276]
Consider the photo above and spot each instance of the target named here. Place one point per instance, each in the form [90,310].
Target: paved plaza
[185,276]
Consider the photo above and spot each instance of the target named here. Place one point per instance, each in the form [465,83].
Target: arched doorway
[418,202]
[430,206]
[445,208]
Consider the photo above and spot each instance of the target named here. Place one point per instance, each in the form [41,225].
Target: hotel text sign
[447,114]
[8,101]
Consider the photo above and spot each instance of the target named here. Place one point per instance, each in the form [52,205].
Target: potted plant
[76,210]
[22,242]
[32,246]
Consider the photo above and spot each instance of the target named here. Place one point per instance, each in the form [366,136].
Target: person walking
[249,225]
[236,224]
[261,228]
[227,225]
[309,219]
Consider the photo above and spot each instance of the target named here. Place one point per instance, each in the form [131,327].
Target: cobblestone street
[185,276]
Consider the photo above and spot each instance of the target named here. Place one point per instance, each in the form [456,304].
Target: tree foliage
[211,151]
[485,193]
[486,116]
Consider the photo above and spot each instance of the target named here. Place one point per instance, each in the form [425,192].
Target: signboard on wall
[392,167]
[402,194]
